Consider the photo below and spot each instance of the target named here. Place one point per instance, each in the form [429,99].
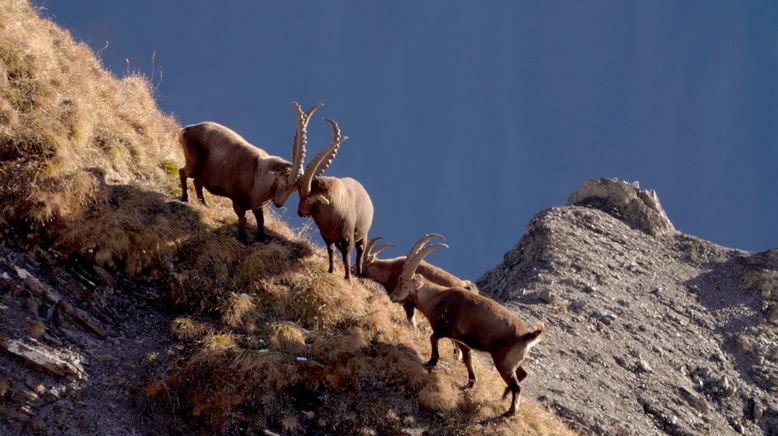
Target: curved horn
[369,247]
[424,239]
[381,247]
[336,136]
[410,265]
[328,154]
[300,140]
[311,110]
[415,250]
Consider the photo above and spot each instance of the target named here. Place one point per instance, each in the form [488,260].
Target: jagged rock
[606,317]
[758,411]
[105,276]
[724,387]
[577,306]
[5,386]
[694,399]
[643,366]
[772,315]
[546,296]
[42,357]
[626,201]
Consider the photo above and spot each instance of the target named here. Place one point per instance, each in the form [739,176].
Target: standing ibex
[221,161]
[387,271]
[341,207]
[472,320]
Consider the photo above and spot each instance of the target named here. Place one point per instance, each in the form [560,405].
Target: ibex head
[409,281]
[287,176]
[313,193]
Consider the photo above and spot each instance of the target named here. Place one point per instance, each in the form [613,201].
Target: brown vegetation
[88,166]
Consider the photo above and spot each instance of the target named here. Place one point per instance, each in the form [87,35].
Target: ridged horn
[371,243]
[424,239]
[381,247]
[327,161]
[410,265]
[328,154]
[300,143]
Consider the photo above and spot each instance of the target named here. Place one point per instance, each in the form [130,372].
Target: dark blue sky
[468,117]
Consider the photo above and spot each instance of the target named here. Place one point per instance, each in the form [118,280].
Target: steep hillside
[649,330]
[124,311]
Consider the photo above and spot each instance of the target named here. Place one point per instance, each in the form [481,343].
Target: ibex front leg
[259,214]
[242,236]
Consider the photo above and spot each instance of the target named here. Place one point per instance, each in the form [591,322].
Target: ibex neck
[428,296]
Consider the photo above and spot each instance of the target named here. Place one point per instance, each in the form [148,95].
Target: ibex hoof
[509,414]
[431,364]
[469,385]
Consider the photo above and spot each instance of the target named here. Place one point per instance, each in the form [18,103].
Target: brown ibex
[472,320]
[340,207]
[387,271]
[221,161]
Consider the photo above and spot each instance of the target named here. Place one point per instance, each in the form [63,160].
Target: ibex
[221,161]
[387,271]
[472,320]
[341,207]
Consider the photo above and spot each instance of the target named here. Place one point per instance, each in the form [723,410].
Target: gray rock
[694,399]
[772,315]
[546,296]
[636,207]
[724,387]
[643,366]
[758,411]
[606,318]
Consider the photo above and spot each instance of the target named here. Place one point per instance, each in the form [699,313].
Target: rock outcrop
[649,330]
[638,208]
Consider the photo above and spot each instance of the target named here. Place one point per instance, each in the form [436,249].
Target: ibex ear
[321,198]
[418,281]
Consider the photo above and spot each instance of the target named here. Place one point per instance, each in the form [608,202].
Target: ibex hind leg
[182,174]
[199,191]
[508,372]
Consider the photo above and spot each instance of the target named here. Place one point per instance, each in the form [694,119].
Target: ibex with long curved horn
[221,161]
[387,273]
[341,207]
[472,320]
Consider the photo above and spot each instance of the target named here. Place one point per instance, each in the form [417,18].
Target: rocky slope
[74,347]
[649,330]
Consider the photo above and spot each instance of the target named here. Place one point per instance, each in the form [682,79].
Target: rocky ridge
[649,330]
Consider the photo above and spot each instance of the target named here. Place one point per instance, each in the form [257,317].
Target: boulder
[639,208]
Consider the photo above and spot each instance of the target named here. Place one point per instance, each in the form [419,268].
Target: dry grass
[266,338]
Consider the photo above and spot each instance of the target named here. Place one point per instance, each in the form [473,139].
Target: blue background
[467,117]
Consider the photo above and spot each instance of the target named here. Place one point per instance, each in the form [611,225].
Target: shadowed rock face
[648,330]
[638,208]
